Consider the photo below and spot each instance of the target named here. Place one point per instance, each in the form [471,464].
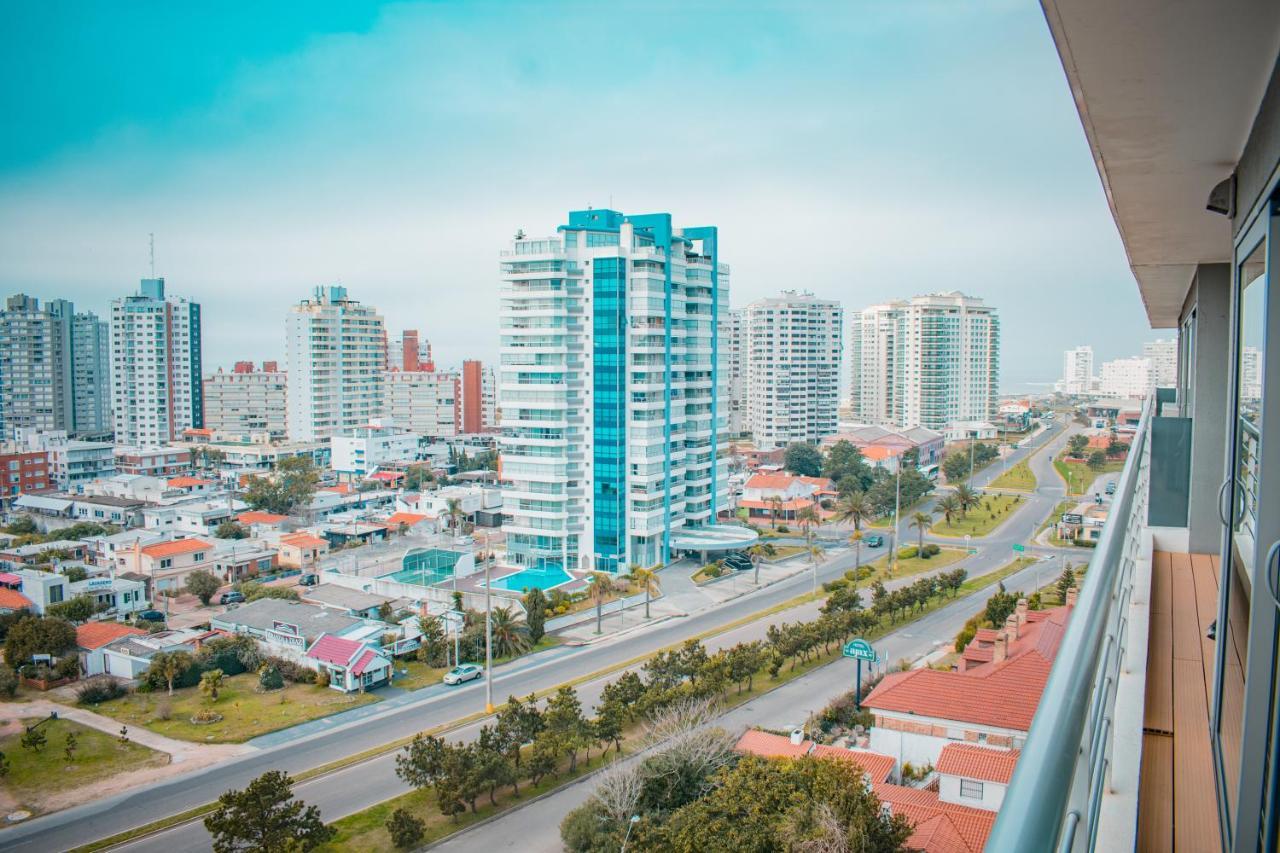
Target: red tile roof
[177,546]
[386,476]
[877,765]
[361,665]
[11,599]
[782,481]
[303,540]
[409,518]
[256,516]
[969,826]
[879,453]
[95,635]
[978,762]
[334,650]
[768,745]
[785,506]
[341,489]
[188,482]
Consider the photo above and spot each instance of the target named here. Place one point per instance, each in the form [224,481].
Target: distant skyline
[864,151]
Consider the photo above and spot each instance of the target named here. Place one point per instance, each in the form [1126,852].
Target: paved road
[356,787]
[536,827]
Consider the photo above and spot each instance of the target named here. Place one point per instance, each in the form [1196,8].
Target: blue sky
[864,151]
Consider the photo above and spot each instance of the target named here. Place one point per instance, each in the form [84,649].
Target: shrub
[8,681]
[712,570]
[931,550]
[907,553]
[405,829]
[67,667]
[100,688]
[270,679]
[292,671]
[782,528]
[232,655]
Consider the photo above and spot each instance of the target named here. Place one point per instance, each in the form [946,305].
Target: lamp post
[635,818]
[488,629]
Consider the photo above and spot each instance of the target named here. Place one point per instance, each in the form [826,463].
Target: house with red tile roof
[973,775]
[11,601]
[350,664]
[989,701]
[265,520]
[794,493]
[301,550]
[169,563]
[91,637]
[878,767]
[938,826]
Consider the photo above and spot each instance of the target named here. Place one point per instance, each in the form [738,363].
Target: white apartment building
[1125,377]
[72,463]
[1163,356]
[335,351]
[611,388]
[928,361]
[1077,371]
[156,391]
[361,450]
[794,344]
[733,339]
[424,402]
[246,402]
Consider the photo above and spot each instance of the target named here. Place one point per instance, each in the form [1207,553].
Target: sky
[861,150]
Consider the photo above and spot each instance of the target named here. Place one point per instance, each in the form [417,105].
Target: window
[55,594]
[198,557]
[166,563]
[971,789]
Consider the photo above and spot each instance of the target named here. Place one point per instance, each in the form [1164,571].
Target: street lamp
[635,818]
[488,628]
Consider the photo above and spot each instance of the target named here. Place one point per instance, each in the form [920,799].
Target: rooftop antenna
[152,237]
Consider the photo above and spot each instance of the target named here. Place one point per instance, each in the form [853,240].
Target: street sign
[859,649]
[1019,547]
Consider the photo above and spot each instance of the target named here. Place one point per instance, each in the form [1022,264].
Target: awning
[9,578]
[42,503]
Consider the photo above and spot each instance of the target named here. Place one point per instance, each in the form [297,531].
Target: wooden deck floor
[1176,804]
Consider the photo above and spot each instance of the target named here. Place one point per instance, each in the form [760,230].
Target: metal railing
[1054,797]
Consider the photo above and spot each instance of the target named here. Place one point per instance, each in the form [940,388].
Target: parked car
[737,561]
[309,580]
[232,597]
[464,672]
[1111,488]
[150,616]
[875,540]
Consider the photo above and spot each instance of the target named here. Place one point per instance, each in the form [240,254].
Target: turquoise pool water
[426,566]
[543,579]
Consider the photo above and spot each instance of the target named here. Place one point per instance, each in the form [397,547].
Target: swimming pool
[426,566]
[543,579]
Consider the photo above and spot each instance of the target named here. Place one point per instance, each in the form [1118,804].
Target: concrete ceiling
[1167,91]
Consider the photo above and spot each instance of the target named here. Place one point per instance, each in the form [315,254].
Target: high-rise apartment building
[335,354]
[91,374]
[733,343]
[928,361]
[247,401]
[409,352]
[1125,377]
[794,345]
[425,402]
[479,397]
[1163,356]
[611,389]
[36,378]
[156,388]
[1077,371]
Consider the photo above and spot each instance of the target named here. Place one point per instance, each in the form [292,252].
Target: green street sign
[859,649]
[1018,547]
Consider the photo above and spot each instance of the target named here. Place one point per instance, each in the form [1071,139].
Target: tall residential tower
[156,389]
[614,437]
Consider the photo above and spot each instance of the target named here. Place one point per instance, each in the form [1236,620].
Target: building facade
[423,402]
[928,361]
[360,451]
[91,374]
[156,359]
[335,356]
[611,389]
[246,401]
[733,339]
[1162,355]
[794,345]
[36,381]
[1077,371]
[1125,377]
[478,397]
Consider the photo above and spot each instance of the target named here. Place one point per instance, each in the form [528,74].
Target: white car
[465,672]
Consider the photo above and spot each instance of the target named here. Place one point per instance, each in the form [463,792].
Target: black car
[308,580]
[232,597]
[149,616]
[737,561]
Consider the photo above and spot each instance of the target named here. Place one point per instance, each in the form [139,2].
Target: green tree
[775,510]
[564,721]
[509,632]
[22,526]
[758,553]
[211,683]
[74,574]
[292,484]
[607,725]
[69,747]
[265,817]
[231,530]
[270,678]
[1097,460]
[37,635]
[1065,582]
[949,506]
[966,498]
[34,740]
[453,509]
[599,591]
[999,606]
[535,609]
[405,829]
[203,585]
[170,666]
[79,608]
[921,521]
[854,508]
[956,466]
[1076,445]
[845,466]
[803,460]
[647,579]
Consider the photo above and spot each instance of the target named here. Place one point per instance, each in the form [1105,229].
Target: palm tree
[808,517]
[855,539]
[510,633]
[453,509]
[855,507]
[598,592]
[921,521]
[949,506]
[966,498]
[757,552]
[646,578]
[775,509]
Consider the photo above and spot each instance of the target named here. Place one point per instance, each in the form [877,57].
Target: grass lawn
[1019,477]
[245,712]
[980,520]
[420,675]
[912,565]
[33,776]
[1078,475]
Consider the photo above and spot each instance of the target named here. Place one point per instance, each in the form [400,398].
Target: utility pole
[488,630]
[897,506]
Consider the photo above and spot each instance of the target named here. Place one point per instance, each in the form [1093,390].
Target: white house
[93,637]
[970,430]
[129,657]
[113,593]
[975,776]
[361,451]
[351,665]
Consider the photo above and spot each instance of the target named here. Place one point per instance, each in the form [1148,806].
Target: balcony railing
[1056,793]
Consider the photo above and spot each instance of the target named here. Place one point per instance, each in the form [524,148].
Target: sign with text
[1019,547]
[859,649]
